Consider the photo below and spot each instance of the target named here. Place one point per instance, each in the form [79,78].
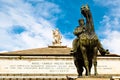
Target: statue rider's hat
[81,20]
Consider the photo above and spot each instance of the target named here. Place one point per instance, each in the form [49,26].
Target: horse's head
[85,10]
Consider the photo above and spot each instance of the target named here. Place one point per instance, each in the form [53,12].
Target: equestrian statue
[87,44]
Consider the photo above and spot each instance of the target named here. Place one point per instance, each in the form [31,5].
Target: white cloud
[112,41]
[111,23]
[34,19]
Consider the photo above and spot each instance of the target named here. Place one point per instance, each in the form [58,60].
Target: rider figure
[77,32]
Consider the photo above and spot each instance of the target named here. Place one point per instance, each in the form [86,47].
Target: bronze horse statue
[88,42]
[88,46]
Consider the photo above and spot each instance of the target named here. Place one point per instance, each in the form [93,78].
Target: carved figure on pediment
[57,38]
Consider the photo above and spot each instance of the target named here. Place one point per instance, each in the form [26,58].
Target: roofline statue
[57,38]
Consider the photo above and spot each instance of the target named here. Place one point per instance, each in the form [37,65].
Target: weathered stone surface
[61,65]
[93,79]
[55,65]
[58,50]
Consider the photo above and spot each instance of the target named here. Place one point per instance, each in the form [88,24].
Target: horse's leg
[85,59]
[90,66]
[95,60]
[79,65]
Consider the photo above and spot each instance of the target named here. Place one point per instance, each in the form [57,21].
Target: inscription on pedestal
[56,65]
[41,67]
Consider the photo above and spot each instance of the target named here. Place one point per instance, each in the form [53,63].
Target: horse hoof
[96,74]
[79,76]
[87,74]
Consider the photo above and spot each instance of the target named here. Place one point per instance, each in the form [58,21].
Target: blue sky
[26,24]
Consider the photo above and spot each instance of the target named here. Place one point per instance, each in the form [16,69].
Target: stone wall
[53,65]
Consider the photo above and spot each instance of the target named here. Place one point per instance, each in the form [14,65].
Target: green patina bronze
[87,44]
[88,41]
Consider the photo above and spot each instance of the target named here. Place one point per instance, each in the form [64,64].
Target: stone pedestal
[54,65]
[51,62]
[92,79]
